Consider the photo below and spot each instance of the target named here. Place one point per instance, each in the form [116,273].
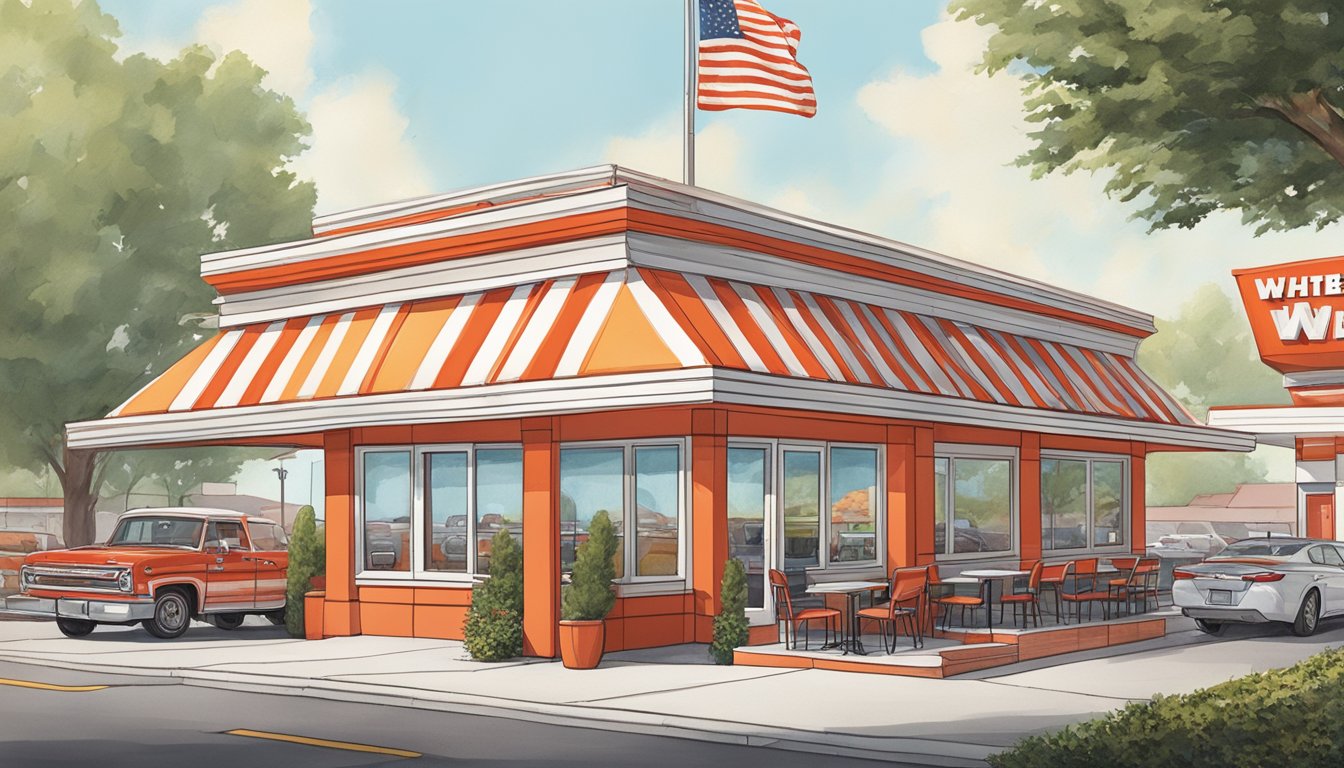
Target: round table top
[837,587]
[993,573]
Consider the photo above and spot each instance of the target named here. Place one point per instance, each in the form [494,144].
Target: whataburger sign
[1296,312]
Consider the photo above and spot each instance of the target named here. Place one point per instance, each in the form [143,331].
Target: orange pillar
[341,607]
[1138,495]
[709,514]
[901,547]
[924,496]
[541,537]
[1029,499]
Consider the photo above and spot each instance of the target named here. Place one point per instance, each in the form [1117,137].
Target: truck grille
[85,579]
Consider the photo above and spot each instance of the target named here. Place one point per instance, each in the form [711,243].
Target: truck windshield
[158,532]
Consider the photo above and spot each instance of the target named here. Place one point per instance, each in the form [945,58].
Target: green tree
[589,596]
[1206,356]
[176,473]
[1192,105]
[115,175]
[494,626]
[730,626]
[307,558]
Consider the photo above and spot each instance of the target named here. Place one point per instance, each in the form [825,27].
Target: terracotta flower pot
[581,643]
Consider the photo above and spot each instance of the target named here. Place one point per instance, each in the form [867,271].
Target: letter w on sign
[1302,318]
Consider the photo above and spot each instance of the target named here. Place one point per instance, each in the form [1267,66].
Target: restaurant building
[1296,311]
[724,379]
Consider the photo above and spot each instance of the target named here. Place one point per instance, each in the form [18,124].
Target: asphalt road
[148,722]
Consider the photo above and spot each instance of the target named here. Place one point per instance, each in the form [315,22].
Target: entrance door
[750,527]
[1321,515]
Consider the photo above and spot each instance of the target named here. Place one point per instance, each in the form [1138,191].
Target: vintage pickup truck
[162,568]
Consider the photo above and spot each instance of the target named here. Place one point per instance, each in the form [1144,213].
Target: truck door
[231,570]
[270,551]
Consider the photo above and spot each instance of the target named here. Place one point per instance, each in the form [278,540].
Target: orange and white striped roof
[634,320]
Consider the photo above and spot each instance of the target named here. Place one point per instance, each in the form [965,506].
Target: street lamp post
[281,473]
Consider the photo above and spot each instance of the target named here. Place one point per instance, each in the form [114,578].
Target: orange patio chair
[784,612]
[1029,600]
[1052,578]
[907,597]
[1084,575]
[943,596]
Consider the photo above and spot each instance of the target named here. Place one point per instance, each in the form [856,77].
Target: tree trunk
[1312,114]
[79,524]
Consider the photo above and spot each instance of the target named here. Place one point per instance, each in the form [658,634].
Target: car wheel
[172,615]
[1214,628]
[1308,616]
[276,617]
[75,627]
[228,620]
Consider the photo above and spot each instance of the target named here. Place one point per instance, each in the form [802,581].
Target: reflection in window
[853,478]
[982,505]
[1108,493]
[802,508]
[940,504]
[446,511]
[386,510]
[591,479]
[499,499]
[657,504]
[1063,504]
[746,517]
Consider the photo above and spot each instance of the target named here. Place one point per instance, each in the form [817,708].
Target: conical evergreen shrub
[589,596]
[494,626]
[730,626]
[307,558]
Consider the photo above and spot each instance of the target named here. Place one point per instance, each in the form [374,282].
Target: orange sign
[1297,313]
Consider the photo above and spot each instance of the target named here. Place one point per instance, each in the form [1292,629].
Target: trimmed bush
[1285,717]
[730,626]
[307,558]
[494,627]
[589,596]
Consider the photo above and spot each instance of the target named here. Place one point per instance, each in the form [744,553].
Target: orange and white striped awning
[635,320]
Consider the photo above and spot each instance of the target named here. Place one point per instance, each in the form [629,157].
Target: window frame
[954,451]
[416,541]
[629,512]
[1126,504]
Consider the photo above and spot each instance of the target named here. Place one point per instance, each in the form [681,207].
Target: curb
[900,750]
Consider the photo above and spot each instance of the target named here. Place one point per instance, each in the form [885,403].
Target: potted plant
[589,598]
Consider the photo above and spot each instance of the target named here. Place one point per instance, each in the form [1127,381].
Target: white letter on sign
[1301,319]
[1271,288]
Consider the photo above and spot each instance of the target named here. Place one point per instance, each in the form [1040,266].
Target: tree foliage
[1192,106]
[589,596]
[730,625]
[115,175]
[494,626]
[175,473]
[307,558]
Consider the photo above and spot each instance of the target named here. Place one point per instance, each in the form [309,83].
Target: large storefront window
[974,500]
[641,488]
[466,495]
[853,502]
[1083,504]
[748,469]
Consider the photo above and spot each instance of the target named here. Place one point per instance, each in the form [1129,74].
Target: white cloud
[276,34]
[360,153]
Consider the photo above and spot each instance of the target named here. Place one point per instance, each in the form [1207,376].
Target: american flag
[748,60]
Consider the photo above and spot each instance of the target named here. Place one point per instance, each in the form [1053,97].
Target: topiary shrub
[494,627]
[589,596]
[1283,717]
[730,626]
[307,558]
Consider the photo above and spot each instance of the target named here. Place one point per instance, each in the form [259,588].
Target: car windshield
[1262,548]
[158,532]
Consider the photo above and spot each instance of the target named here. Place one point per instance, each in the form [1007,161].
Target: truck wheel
[172,615]
[228,620]
[75,627]
[1214,628]
[1308,615]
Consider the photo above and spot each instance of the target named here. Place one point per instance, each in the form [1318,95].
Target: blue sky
[409,97]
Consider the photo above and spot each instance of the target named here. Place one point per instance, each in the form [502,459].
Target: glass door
[750,529]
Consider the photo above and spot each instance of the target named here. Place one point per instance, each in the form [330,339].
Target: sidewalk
[677,692]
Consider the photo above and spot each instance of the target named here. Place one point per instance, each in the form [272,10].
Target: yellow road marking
[346,745]
[50,687]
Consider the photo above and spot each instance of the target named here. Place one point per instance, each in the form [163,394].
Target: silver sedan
[1294,581]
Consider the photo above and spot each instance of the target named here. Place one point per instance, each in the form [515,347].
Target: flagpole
[688,94]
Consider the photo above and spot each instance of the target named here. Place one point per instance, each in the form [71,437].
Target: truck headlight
[124,582]
[25,578]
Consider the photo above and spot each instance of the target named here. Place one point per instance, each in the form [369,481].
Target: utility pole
[282,473]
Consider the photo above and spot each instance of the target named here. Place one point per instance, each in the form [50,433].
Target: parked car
[14,547]
[161,568]
[1290,580]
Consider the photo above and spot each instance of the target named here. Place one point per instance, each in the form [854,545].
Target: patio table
[851,590]
[985,578]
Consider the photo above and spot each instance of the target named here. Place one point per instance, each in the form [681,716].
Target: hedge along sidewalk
[1292,716]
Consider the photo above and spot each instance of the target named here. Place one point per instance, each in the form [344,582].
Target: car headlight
[124,582]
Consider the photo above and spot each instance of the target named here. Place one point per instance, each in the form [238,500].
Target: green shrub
[1286,717]
[494,627]
[730,626]
[589,596]
[307,558]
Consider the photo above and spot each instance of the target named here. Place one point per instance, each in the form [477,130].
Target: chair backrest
[1085,567]
[779,585]
[908,584]
[1053,572]
[1034,578]
[932,571]
[1125,563]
